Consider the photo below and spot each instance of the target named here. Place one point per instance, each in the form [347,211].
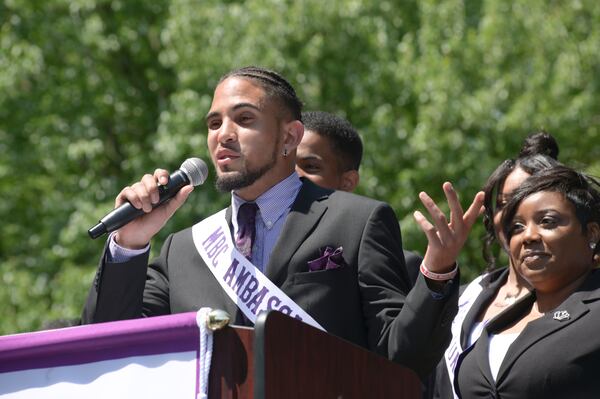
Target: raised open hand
[446,239]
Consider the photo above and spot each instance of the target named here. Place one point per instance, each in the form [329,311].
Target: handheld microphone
[192,171]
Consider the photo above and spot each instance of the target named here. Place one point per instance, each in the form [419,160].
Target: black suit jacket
[553,357]
[365,301]
[413,263]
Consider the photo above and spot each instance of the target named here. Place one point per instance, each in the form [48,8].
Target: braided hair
[274,85]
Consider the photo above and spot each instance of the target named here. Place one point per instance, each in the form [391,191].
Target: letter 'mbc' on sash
[245,284]
[215,244]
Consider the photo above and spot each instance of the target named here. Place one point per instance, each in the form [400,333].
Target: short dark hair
[538,152]
[342,135]
[578,188]
[275,86]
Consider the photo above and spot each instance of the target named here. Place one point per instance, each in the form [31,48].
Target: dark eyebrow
[544,211]
[235,108]
[309,157]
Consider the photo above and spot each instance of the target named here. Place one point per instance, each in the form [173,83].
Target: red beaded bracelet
[438,276]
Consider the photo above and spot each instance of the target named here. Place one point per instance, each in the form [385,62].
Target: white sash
[465,302]
[245,284]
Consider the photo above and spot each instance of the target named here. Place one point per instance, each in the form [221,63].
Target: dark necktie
[246,218]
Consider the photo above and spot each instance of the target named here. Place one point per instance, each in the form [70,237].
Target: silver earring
[285,152]
[592,245]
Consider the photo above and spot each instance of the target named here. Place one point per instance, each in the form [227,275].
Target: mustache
[229,146]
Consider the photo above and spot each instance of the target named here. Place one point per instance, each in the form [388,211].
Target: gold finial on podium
[217,319]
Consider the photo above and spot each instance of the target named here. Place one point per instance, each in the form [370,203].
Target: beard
[245,177]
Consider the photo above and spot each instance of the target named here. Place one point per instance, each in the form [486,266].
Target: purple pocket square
[330,259]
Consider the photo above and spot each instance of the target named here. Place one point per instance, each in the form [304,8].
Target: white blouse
[499,344]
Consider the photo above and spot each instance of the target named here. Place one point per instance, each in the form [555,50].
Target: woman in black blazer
[494,291]
[547,344]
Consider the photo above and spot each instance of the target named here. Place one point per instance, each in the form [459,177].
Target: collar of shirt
[273,203]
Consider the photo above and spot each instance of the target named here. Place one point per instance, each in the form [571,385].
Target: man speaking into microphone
[330,258]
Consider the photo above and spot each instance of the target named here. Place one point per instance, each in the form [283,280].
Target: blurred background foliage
[95,93]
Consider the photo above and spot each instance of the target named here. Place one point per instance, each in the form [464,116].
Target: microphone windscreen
[195,170]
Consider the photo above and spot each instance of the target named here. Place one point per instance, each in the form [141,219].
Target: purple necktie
[246,218]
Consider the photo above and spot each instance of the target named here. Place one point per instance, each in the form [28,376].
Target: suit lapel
[575,306]
[304,215]
[482,301]
[480,351]
[228,213]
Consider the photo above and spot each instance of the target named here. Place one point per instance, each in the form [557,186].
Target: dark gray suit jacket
[366,301]
[413,263]
[551,358]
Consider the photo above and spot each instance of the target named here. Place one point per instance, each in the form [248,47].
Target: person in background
[332,257]
[494,291]
[330,154]
[546,344]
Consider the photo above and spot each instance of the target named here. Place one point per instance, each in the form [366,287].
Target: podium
[280,358]
[293,360]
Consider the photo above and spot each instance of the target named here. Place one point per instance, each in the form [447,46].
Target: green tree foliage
[95,93]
